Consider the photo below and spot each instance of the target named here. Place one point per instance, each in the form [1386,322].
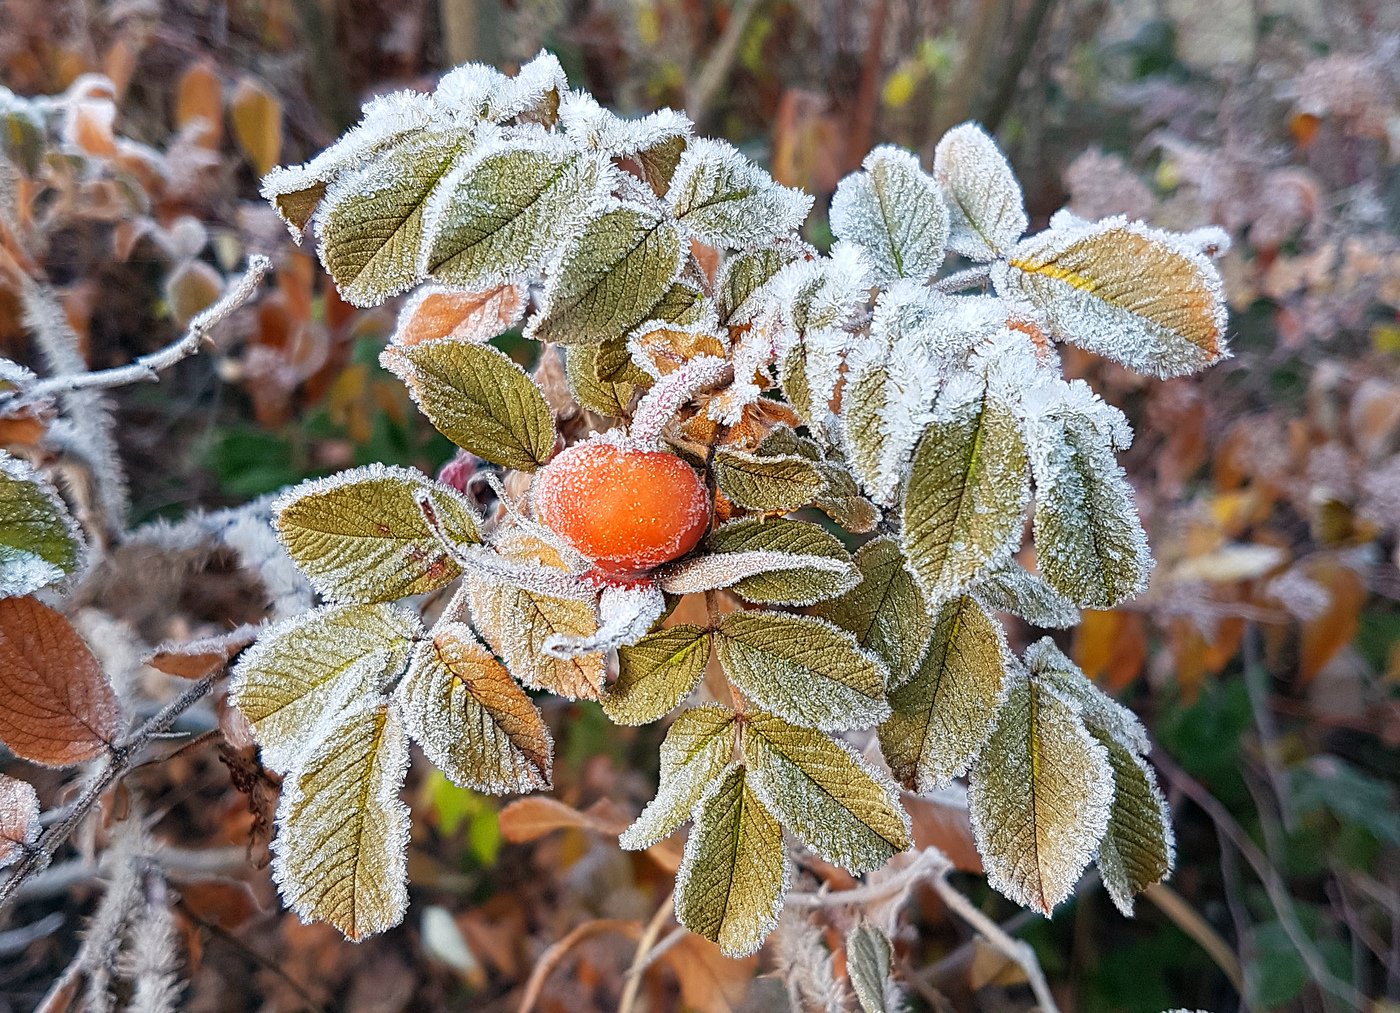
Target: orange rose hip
[626,510]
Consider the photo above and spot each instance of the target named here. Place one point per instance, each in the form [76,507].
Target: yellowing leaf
[731,883]
[779,484]
[1122,290]
[479,399]
[895,212]
[810,564]
[943,715]
[1040,797]
[698,746]
[966,492]
[516,623]
[342,843]
[885,611]
[986,211]
[361,536]
[257,124]
[1139,848]
[19,818]
[315,666]
[807,670]
[656,673]
[824,793]
[470,717]
[39,543]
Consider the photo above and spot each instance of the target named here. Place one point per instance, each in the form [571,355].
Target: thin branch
[717,65]
[120,760]
[148,367]
[557,952]
[1016,62]
[1190,921]
[639,960]
[928,863]
[960,280]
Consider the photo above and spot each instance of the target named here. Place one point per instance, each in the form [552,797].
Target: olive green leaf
[1139,849]
[821,790]
[371,225]
[986,210]
[1014,589]
[885,611]
[682,305]
[731,882]
[499,217]
[698,746]
[1048,664]
[470,717]
[362,536]
[943,715]
[479,399]
[658,161]
[823,570]
[342,843]
[967,490]
[1089,542]
[1040,796]
[39,542]
[805,669]
[612,398]
[517,623]
[314,665]
[778,484]
[895,212]
[728,201]
[656,673]
[841,500]
[609,277]
[740,288]
[869,958]
[612,362]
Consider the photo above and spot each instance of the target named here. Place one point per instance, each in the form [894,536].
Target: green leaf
[610,277]
[802,668]
[869,957]
[361,536]
[39,542]
[895,212]
[777,484]
[372,222]
[728,201]
[342,843]
[314,665]
[731,882]
[656,673]
[1040,797]
[967,489]
[682,305]
[841,500]
[885,611]
[794,586]
[1011,588]
[943,715]
[823,792]
[470,717]
[986,210]
[698,746]
[612,398]
[1139,848]
[497,219]
[740,287]
[479,399]
[1089,543]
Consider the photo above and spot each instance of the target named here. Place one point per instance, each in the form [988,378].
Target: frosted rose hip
[626,510]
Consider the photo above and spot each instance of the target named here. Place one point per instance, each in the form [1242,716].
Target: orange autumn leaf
[437,314]
[199,95]
[1327,633]
[256,115]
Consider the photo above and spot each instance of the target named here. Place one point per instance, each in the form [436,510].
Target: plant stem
[639,960]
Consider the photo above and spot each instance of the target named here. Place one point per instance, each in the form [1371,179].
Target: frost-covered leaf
[372,224]
[56,705]
[806,670]
[821,790]
[1100,711]
[895,212]
[1136,295]
[869,958]
[1139,849]
[517,623]
[682,304]
[779,484]
[341,854]
[295,191]
[19,818]
[609,278]
[731,883]
[499,217]
[986,211]
[841,500]
[361,536]
[1040,797]
[626,613]
[812,294]
[612,398]
[1089,542]
[741,286]
[698,746]
[804,562]
[943,715]
[656,673]
[1012,588]
[39,542]
[315,666]
[885,611]
[479,399]
[728,201]
[966,493]
[437,313]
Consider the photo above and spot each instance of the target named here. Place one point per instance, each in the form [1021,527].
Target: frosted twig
[120,759]
[671,393]
[928,862]
[960,280]
[148,367]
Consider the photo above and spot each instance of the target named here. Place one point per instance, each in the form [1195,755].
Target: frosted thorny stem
[963,279]
[148,367]
[671,392]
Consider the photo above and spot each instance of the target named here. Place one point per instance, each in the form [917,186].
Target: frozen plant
[746,377]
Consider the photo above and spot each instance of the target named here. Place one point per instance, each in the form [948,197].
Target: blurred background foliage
[1265,658]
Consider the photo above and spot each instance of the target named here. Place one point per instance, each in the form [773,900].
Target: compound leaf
[698,746]
[986,211]
[895,212]
[656,673]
